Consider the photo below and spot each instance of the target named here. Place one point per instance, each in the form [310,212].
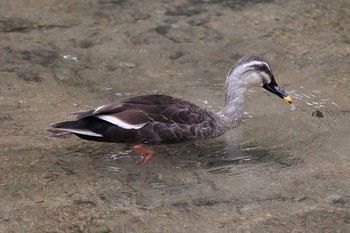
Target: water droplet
[292,107]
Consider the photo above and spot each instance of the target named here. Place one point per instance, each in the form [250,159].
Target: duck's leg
[145,154]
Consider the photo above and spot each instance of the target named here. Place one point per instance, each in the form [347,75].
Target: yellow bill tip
[288,99]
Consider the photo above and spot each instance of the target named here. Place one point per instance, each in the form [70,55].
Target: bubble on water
[70,57]
[292,107]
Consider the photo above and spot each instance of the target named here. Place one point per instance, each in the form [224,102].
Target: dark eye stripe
[251,66]
[262,68]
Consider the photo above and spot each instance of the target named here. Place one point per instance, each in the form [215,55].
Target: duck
[158,118]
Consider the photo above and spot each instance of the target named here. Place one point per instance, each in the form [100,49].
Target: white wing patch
[82,131]
[120,123]
[98,109]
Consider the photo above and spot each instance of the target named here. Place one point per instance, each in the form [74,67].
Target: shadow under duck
[153,119]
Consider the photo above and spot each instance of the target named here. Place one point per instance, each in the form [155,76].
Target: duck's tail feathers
[67,128]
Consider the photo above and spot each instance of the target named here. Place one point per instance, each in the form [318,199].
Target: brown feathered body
[143,119]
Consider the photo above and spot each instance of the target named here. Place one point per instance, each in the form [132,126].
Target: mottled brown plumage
[163,119]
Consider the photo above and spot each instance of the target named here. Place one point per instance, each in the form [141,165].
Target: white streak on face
[239,70]
[122,124]
[253,63]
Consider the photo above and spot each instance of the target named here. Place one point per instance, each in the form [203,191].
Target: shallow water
[279,171]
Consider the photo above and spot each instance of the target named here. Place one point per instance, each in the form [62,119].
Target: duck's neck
[232,112]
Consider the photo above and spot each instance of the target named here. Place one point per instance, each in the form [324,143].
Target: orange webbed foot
[145,154]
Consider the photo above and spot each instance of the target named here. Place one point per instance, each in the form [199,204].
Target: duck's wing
[136,112]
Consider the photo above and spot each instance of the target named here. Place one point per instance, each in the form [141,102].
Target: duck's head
[254,70]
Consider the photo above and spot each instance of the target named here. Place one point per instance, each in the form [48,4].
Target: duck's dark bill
[275,89]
